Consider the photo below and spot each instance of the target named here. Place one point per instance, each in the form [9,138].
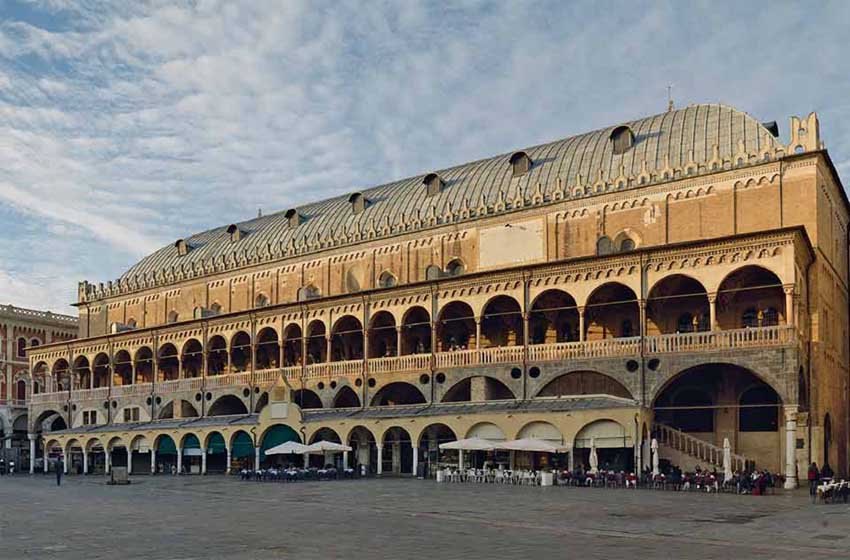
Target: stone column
[256,458]
[345,459]
[460,458]
[478,333]
[203,461]
[642,317]
[129,461]
[179,460]
[580,324]
[153,461]
[32,452]
[107,462]
[415,458]
[44,463]
[790,315]
[229,459]
[328,339]
[712,311]
[398,341]
[790,447]
[86,461]
[380,465]
[65,463]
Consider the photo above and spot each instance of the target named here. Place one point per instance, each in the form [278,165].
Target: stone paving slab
[215,517]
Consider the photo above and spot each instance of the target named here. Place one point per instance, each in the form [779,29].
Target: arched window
[433,184]
[22,347]
[35,342]
[750,318]
[386,280]
[627,244]
[455,267]
[173,316]
[182,247]
[215,309]
[604,246]
[622,139]
[294,217]
[198,312]
[520,163]
[308,292]
[234,232]
[433,272]
[770,317]
[358,203]
[131,323]
[759,410]
[261,300]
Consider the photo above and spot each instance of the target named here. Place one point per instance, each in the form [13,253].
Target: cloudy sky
[126,125]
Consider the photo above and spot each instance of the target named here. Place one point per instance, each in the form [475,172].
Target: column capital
[790,412]
[712,297]
[788,288]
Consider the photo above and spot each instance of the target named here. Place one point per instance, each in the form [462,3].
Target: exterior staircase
[687,451]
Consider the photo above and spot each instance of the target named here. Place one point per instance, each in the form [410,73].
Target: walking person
[60,466]
[814,478]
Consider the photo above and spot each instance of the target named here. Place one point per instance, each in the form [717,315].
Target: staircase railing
[696,448]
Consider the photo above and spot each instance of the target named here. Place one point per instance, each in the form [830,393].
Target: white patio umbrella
[531,444]
[321,447]
[655,458]
[470,444]
[594,460]
[287,448]
[727,460]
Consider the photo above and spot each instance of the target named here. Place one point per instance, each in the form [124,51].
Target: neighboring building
[21,329]
[682,275]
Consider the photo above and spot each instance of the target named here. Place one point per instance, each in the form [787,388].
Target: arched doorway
[216,453]
[553,318]
[328,458]
[750,297]
[398,393]
[416,331]
[397,452]
[274,436]
[292,346]
[192,359]
[242,450]
[501,323]
[268,349]
[227,405]
[168,362]
[240,352]
[317,344]
[217,356]
[542,431]
[677,304]
[614,447]
[612,312]
[584,383]
[480,459]
[364,450]
[456,327]
[430,453]
[383,337]
[347,339]
[720,401]
[166,454]
[191,449]
[143,363]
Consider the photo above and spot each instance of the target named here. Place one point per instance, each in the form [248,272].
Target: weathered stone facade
[560,272]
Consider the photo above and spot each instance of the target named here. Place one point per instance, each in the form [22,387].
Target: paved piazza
[216,517]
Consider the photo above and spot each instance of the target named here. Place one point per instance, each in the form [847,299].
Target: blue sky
[126,125]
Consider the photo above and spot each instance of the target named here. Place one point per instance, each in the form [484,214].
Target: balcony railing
[737,339]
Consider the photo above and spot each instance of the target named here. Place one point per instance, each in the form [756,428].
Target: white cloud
[135,123]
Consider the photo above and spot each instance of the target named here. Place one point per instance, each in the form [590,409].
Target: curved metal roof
[667,138]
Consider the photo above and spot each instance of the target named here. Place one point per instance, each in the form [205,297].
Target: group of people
[755,482]
[824,478]
[290,473]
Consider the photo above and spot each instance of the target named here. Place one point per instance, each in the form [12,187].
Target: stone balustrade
[695,447]
[761,337]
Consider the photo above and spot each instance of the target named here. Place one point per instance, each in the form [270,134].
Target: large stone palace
[681,276]
[21,329]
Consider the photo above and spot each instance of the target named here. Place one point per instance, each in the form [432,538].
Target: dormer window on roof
[622,139]
[520,163]
[294,217]
[182,247]
[234,232]
[433,184]
[358,202]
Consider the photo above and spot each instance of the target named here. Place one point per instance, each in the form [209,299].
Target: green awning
[215,444]
[191,442]
[166,446]
[277,435]
[243,446]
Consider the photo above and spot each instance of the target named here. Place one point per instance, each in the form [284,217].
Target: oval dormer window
[520,163]
[293,217]
[234,232]
[358,202]
[433,184]
[622,139]
[182,247]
